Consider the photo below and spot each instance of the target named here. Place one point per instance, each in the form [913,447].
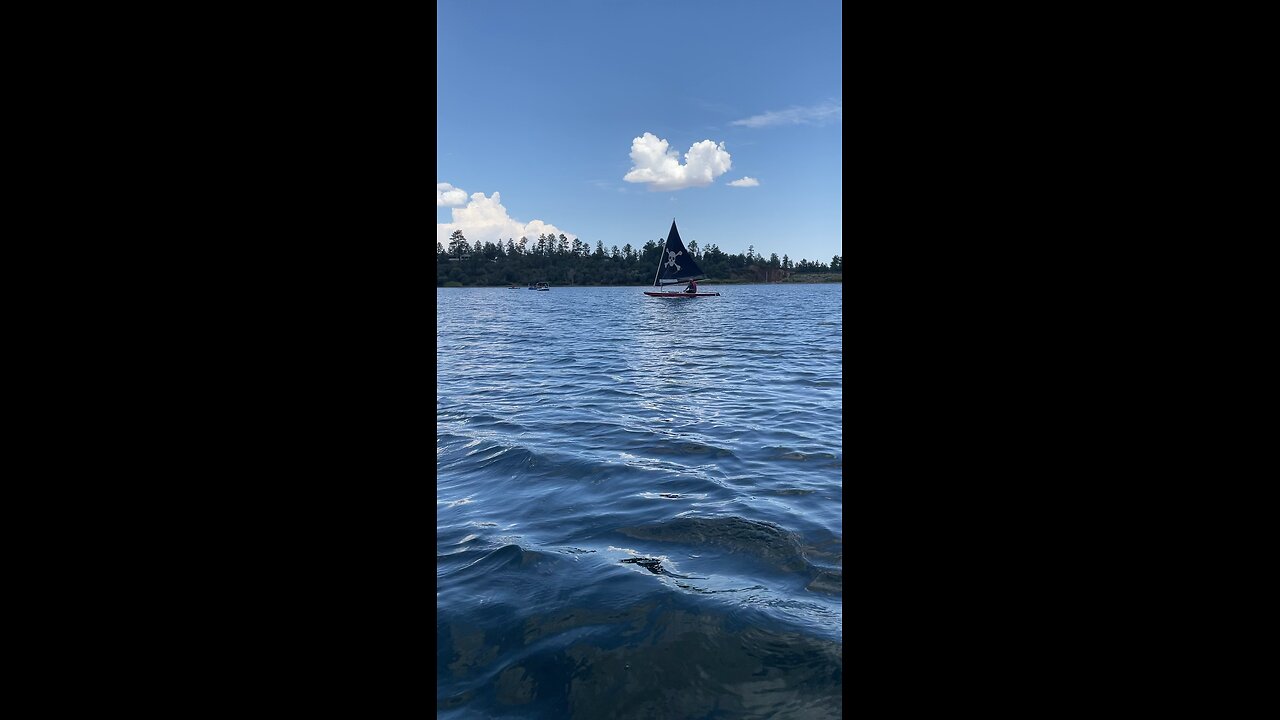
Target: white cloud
[830,111]
[654,163]
[745,182]
[486,220]
[449,196]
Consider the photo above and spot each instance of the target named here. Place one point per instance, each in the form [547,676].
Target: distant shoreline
[806,279]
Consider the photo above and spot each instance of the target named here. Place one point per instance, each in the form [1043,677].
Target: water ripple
[639,503]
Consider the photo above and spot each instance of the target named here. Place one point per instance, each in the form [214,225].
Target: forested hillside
[559,261]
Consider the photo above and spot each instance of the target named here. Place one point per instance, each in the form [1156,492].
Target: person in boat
[692,287]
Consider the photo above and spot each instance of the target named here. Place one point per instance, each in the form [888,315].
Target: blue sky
[562,108]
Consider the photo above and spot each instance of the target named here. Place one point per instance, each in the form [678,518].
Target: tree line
[560,261]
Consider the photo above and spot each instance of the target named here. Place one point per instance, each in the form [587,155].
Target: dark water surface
[639,503]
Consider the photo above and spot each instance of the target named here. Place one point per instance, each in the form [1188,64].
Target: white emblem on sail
[671,259]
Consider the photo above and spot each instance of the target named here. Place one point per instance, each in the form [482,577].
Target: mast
[661,254]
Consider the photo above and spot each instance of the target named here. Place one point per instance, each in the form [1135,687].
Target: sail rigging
[675,264]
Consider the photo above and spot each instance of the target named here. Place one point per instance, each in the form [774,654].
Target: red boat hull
[680,294]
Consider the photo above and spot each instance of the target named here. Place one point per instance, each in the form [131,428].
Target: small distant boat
[676,265]
[513,287]
[543,286]
[531,287]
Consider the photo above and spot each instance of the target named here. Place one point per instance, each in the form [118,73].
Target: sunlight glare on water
[639,502]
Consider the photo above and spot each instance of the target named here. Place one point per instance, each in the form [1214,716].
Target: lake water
[638,503]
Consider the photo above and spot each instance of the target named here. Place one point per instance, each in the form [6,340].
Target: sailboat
[676,265]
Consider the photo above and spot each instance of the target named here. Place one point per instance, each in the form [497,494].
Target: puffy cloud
[486,220]
[830,111]
[654,163]
[745,181]
[450,196]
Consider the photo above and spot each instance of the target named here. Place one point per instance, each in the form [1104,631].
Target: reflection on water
[638,504]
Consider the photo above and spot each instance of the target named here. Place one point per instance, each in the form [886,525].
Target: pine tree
[458,245]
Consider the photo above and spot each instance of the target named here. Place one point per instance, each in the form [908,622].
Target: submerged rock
[764,540]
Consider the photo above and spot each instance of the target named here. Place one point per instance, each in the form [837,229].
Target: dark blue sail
[677,264]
